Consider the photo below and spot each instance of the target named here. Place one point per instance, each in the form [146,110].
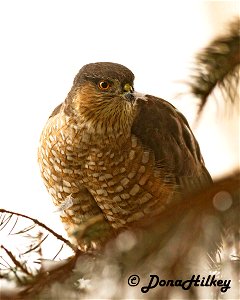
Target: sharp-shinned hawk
[109,151]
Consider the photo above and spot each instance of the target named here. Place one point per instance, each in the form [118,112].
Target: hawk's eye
[104,85]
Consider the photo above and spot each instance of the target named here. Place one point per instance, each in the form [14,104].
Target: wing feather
[164,130]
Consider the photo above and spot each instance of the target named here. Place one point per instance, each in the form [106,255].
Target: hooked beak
[129,93]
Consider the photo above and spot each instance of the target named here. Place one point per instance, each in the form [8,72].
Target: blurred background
[45,43]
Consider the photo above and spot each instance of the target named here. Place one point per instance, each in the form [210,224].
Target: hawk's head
[103,96]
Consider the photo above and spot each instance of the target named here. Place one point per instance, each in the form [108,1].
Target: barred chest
[116,170]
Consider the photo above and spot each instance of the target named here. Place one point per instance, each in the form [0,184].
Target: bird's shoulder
[63,107]
[56,110]
[165,131]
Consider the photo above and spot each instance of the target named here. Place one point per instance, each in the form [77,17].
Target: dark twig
[46,278]
[58,252]
[15,261]
[35,247]
[5,221]
[13,226]
[58,236]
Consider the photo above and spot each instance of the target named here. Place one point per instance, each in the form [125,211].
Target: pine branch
[58,236]
[47,277]
[166,241]
[217,65]
[16,262]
